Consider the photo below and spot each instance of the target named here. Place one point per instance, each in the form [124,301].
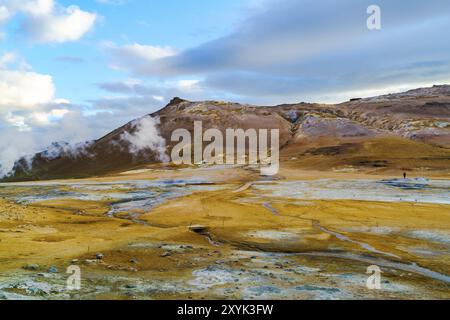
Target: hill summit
[362,133]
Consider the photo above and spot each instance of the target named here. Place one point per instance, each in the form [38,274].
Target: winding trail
[404,266]
[412,267]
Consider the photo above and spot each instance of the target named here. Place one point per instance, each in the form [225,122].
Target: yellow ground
[56,232]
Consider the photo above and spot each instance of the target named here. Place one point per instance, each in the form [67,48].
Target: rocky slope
[401,131]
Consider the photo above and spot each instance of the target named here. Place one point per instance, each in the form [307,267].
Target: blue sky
[177,23]
[72,70]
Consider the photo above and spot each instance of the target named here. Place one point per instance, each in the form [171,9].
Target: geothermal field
[212,232]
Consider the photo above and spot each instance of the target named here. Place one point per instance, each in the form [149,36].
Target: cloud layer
[313,49]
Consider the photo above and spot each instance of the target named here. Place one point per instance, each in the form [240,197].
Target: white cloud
[46,118]
[136,56]
[70,25]
[158,98]
[4,14]
[7,59]
[24,89]
[144,96]
[148,52]
[61,101]
[32,7]
[47,21]
[17,121]
[188,85]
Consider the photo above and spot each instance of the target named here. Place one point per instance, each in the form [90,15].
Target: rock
[31,267]
[89,261]
[53,269]
[198,229]
[99,256]
[166,254]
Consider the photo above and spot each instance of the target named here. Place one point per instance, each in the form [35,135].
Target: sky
[74,70]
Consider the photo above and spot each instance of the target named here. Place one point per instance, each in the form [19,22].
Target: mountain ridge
[421,115]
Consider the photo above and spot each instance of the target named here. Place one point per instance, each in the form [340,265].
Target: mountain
[403,131]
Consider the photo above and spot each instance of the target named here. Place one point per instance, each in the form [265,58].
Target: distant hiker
[404,175]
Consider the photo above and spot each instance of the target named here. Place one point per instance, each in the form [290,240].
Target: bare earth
[224,233]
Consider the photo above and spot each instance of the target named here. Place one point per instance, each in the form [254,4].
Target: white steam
[26,140]
[57,149]
[66,149]
[18,144]
[146,136]
[11,149]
